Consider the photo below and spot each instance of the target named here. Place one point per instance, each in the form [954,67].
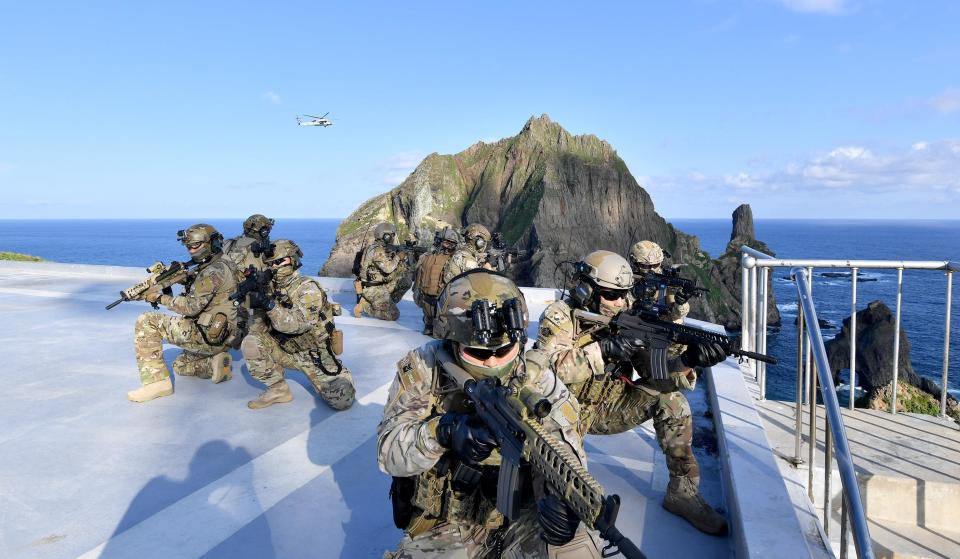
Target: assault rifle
[523,442]
[164,276]
[684,289]
[253,281]
[659,334]
[500,255]
[409,246]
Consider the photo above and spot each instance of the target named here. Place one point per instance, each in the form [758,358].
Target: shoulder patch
[558,313]
[413,372]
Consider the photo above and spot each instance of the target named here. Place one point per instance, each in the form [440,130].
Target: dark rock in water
[875,326]
[742,223]
[824,323]
[726,270]
[837,275]
[557,195]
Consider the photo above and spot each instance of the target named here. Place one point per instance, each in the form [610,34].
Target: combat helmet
[483,313]
[384,230]
[284,248]
[258,226]
[601,271]
[477,236]
[201,234]
[646,256]
[449,239]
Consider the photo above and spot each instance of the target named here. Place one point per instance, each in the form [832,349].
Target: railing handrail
[761,260]
[848,476]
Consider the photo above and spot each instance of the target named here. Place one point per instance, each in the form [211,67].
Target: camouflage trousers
[521,540]
[380,301]
[266,361]
[636,404]
[429,307]
[152,329]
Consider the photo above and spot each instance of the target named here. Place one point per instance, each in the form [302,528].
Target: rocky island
[557,196]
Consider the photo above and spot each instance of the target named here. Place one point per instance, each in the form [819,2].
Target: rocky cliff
[557,195]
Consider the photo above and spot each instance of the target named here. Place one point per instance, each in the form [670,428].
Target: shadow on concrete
[210,462]
[369,530]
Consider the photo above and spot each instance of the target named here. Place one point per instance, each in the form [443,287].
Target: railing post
[762,337]
[946,346]
[753,318]
[745,302]
[828,469]
[798,428]
[808,356]
[844,530]
[812,406]
[896,343]
[853,337]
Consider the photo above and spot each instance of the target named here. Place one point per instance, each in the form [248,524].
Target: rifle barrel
[114,304]
[757,356]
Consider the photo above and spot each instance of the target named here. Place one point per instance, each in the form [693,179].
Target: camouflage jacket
[406,438]
[208,292]
[378,265]
[303,316]
[463,260]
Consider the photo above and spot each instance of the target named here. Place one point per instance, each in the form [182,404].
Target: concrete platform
[908,468]
[83,472]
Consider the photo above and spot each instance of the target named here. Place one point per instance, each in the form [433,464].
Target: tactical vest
[219,323]
[450,491]
[313,339]
[429,280]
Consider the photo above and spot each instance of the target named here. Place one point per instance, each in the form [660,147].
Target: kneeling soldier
[207,327]
[445,461]
[300,335]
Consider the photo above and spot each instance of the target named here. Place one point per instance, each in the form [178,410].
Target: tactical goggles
[482,353]
[637,267]
[276,261]
[193,245]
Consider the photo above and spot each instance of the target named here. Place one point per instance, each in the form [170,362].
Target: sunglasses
[276,262]
[646,267]
[612,294]
[482,354]
[194,246]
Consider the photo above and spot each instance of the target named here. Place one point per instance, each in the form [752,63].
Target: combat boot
[222,366]
[278,393]
[151,391]
[684,500]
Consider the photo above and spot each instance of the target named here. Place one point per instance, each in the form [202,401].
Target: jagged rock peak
[552,136]
[742,223]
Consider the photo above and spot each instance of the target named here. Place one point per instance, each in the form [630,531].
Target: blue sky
[804,108]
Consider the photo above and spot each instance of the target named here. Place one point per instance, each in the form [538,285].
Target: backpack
[430,275]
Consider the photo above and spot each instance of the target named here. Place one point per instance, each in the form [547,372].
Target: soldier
[444,463]
[206,329]
[245,250]
[382,276]
[647,256]
[299,334]
[471,255]
[428,278]
[611,403]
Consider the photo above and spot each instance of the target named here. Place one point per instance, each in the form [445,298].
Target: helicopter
[315,121]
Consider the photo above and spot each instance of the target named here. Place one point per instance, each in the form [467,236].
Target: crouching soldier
[299,334]
[207,323]
[445,461]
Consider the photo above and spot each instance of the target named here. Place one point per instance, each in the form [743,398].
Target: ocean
[141,242]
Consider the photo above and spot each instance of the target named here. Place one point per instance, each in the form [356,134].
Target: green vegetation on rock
[19,257]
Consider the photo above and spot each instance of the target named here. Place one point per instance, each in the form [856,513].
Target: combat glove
[557,521]
[260,300]
[620,347]
[467,438]
[706,354]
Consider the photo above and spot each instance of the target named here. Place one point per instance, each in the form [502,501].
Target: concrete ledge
[762,518]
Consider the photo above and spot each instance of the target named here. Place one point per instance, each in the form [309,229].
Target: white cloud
[395,169]
[828,7]
[931,168]
[947,102]
[272,97]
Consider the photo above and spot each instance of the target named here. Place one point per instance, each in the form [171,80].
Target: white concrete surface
[83,472]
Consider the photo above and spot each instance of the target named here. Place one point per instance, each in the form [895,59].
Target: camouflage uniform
[384,281]
[471,255]
[612,405]
[298,336]
[428,277]
[450,523]
[209,326]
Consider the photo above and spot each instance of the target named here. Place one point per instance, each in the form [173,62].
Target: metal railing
[811,352]
[755,274]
